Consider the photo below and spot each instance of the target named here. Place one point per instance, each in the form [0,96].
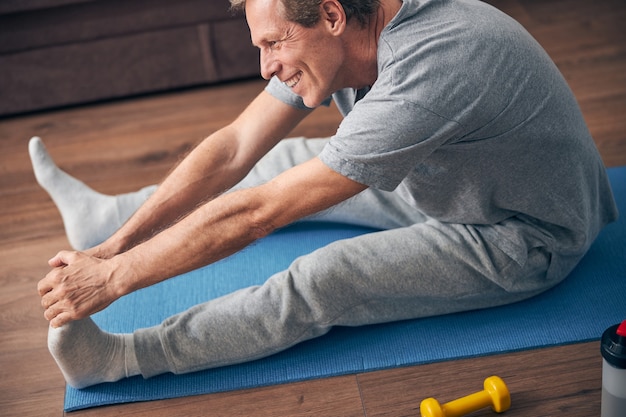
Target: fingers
[49,297]
[43,287]
[49,313]
[61,319]
[58,310]
[46,288]
[49,282]
[57,314]
[58,317]
[61,259]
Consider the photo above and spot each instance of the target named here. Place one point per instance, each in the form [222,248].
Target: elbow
[260,231]
[261,216]
[266,210]
[261,224]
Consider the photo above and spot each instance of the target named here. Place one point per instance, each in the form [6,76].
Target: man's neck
[363,43]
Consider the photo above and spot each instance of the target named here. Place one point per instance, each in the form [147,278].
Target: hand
[78,286]
[104,250]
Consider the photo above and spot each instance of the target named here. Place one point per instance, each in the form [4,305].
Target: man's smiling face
[308,60]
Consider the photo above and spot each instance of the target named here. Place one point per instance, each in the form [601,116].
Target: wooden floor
[118,147]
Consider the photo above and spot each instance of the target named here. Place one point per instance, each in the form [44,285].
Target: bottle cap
[613,345]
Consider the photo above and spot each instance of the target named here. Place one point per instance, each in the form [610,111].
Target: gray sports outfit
[481,171]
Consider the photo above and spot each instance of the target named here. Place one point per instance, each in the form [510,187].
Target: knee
[304,296]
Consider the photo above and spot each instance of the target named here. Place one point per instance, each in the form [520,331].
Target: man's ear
[333,15]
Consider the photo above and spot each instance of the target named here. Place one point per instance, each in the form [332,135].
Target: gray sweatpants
[416,267]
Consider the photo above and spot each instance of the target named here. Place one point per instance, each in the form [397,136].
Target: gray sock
[89,217]
[87,355]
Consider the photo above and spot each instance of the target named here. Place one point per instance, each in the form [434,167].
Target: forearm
[206,172]
[212,232]
[216,165]
[229,223]
[80,285]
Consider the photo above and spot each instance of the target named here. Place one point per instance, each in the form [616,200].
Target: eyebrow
[274,35]
[263,41]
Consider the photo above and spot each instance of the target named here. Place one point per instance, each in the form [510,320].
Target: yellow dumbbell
[495,394]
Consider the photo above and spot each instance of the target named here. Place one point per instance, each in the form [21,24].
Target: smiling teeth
[293,80]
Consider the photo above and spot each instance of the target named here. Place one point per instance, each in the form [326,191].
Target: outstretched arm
[218,163]
[189,222]
[215,230]
[227,224]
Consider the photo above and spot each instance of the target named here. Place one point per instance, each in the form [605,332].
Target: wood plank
[30,382]
[558,381]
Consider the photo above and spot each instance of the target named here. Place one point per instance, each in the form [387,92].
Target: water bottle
[613,348]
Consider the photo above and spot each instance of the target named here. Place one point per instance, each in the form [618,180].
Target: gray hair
[306,12]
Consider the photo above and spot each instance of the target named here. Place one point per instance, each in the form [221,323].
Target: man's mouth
[291,83]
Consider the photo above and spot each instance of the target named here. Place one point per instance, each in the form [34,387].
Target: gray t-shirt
[472,123]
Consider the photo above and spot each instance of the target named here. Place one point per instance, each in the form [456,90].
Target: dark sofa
[65,52]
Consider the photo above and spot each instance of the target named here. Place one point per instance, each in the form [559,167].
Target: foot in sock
[87,355]
[89,217]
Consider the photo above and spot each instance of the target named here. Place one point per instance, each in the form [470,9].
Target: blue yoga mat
[579,309]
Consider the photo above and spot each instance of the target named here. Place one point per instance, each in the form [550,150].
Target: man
[460,138]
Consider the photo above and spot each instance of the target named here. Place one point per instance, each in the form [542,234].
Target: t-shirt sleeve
[383,138]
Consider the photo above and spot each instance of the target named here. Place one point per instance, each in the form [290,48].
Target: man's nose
[269,65]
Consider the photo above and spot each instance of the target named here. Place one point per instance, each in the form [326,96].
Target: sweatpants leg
[372,208]
[422,270]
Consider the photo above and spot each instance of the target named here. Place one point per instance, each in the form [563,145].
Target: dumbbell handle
[467,404]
